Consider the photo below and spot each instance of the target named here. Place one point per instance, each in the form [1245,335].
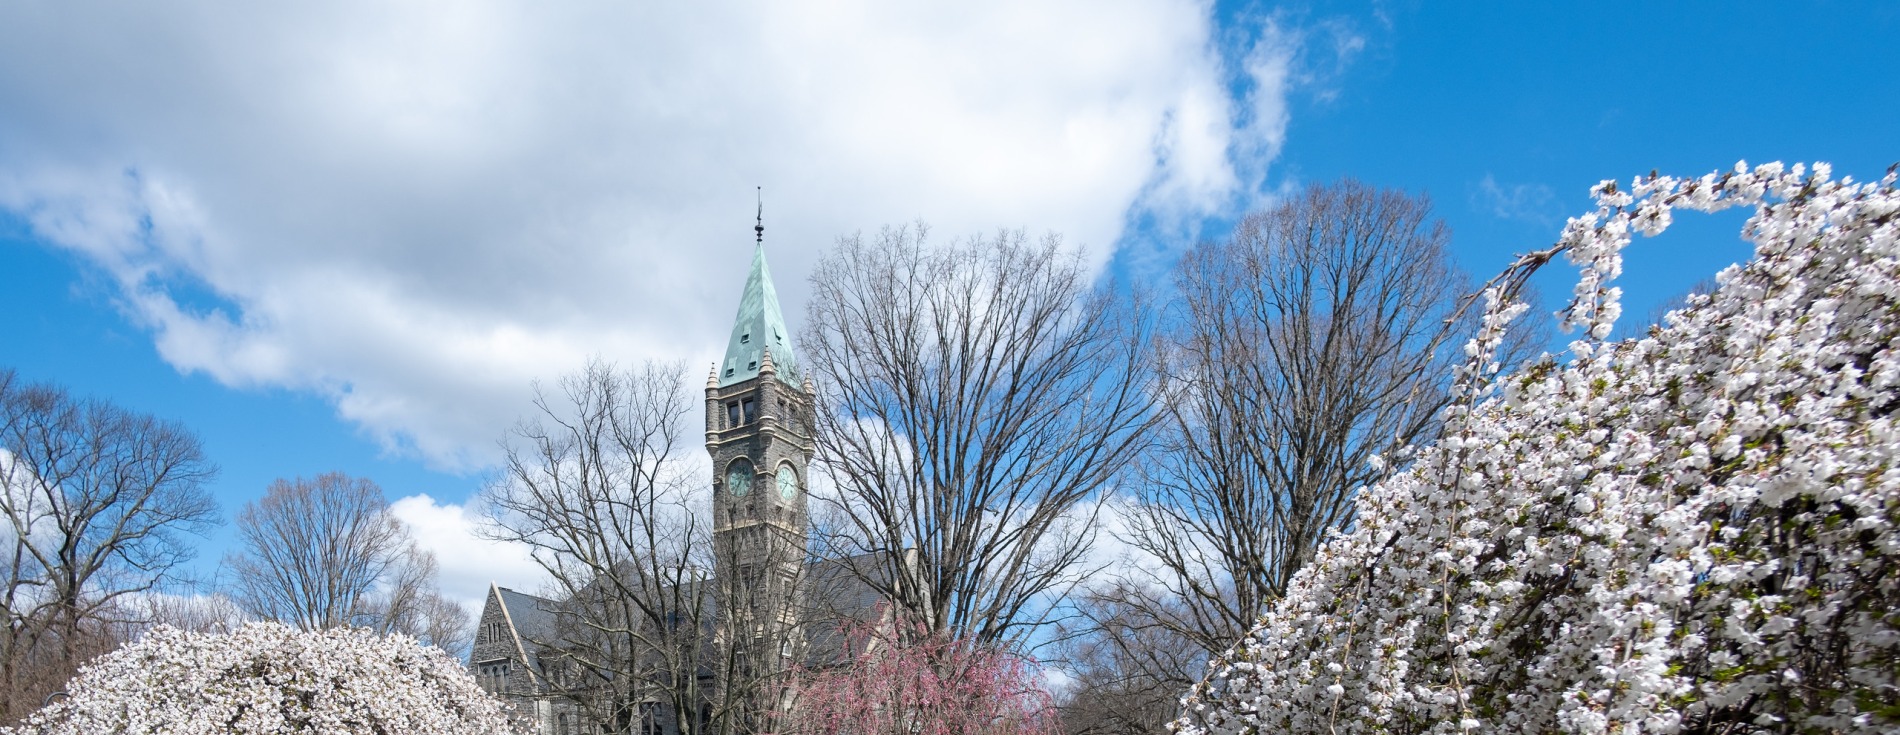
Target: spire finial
[760,227]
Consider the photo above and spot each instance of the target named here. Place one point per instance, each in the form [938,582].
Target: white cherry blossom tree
[267,678]
[1694,531]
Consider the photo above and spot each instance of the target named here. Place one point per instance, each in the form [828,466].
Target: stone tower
[758,431]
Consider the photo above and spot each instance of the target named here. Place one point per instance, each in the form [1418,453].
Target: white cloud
[416,209]
[465,562]
[1269,67]
[1533,203]
[22,505]
[1217,148]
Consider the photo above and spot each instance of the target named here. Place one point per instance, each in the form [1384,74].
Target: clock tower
[758,431]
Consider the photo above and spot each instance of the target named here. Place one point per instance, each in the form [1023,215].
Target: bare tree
[96,506]
[595,486]
[328,552]
[197,612]
[976,401]
[1319,337]
[440,622]
[1124,670]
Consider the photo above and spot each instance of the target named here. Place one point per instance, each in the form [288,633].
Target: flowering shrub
[268,678]
[931,687]
[1693,531]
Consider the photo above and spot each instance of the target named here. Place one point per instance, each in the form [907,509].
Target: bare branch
[976,401]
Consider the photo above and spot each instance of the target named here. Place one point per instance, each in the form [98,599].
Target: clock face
[739,477]
[787,482]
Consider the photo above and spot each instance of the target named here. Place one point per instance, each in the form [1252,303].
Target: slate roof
[840,597]
[533,617]
[839,587]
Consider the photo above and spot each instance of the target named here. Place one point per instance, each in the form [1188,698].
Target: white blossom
[269,679]
[1695,529]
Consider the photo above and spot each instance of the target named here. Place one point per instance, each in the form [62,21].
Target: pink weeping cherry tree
[918,685]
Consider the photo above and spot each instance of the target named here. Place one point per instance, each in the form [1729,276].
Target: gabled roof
[837,586]
[533,617]
[759,326]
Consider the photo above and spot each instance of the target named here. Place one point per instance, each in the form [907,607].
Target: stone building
[768,593]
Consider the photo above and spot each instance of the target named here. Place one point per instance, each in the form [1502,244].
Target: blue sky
[347,238]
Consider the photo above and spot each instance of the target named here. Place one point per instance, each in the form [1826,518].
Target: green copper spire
[759,327]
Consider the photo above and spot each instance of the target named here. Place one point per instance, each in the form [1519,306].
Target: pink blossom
[934,686]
